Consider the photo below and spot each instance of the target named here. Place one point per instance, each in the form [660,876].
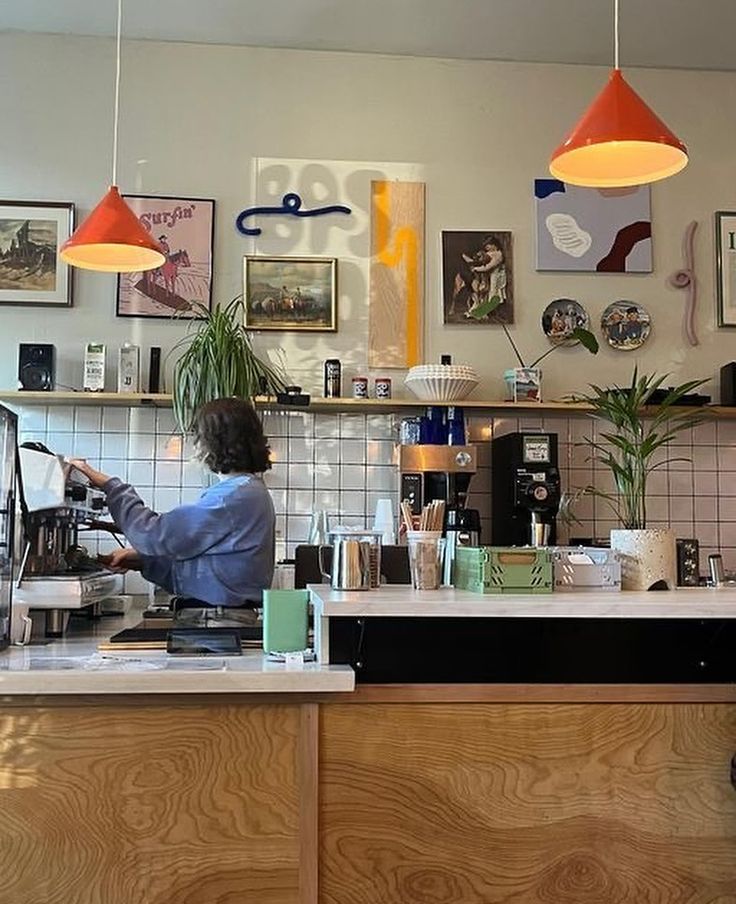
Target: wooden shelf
[122,399]
[376,406]
[363,406]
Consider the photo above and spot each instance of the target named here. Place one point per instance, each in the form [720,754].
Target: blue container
[437,425]
[455,426]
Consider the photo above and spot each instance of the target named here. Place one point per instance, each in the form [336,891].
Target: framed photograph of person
[31,234]
[476,268]
[290,293]
[185,229]
[726,267]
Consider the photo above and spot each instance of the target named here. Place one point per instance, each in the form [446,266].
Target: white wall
[201,116]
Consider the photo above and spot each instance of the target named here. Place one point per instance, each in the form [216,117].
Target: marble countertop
[402,601]
[73,665]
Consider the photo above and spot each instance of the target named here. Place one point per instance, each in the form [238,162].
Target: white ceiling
[662,33]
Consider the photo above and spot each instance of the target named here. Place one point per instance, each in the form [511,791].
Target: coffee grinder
[525,489]
[431,472]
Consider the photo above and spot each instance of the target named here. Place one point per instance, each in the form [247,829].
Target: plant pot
[523,384]
[648,558]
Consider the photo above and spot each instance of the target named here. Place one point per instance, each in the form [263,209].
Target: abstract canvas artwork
[606,230]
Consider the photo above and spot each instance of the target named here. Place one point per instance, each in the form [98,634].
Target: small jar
[360,387]
[383,387]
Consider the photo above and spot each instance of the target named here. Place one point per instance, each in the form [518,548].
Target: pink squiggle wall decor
[685,279]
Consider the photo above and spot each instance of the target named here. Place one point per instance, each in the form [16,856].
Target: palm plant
[631,447]
[219,362]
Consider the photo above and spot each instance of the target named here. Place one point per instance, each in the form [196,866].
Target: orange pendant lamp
[112,237]
[619,140]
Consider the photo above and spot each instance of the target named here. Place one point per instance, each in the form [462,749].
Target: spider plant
[632,444]
[218,361]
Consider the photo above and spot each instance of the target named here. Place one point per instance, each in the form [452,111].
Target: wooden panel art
[527,804]
[396,274]
[153,804]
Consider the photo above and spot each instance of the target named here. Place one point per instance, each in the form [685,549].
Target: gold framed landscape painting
[31,234]
[290,293]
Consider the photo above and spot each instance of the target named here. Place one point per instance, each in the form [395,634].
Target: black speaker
[154,369]
[36,366]
[728,384]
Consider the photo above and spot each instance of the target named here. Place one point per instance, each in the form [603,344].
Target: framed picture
[477,266]
[726,267]
[185,228]
[290,293]
[31,234]
[594,230]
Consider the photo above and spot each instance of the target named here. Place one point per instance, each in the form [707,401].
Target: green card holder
[285,620]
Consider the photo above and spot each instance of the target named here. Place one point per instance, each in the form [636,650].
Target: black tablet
[204,642]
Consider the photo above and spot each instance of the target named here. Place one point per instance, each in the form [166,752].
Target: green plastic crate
[503,569]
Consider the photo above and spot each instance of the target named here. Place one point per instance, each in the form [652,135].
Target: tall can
[94,367]
[333,378]
[129,368]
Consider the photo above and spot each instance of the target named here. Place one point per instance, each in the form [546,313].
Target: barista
[220,549]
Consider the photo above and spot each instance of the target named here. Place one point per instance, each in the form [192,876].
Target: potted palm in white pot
[637,425]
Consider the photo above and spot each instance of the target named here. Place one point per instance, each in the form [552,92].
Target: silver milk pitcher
[352,561]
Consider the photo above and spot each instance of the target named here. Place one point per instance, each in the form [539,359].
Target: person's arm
[183,533]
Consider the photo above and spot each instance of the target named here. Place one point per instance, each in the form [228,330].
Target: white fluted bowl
[441,382]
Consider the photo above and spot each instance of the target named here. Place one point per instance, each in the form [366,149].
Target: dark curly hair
[229,437]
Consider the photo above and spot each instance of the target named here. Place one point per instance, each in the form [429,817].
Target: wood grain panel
[155,805]
[396,287]
[309,804]
[527,804]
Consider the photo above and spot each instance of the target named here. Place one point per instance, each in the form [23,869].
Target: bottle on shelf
[333,378]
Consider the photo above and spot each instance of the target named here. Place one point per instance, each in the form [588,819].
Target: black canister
[333,378]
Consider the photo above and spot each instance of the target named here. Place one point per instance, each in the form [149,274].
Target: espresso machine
[525,489]
[8,441]
[429,472]
[56,574]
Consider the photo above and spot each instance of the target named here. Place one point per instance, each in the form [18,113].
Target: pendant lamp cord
[116,113]
[615,35]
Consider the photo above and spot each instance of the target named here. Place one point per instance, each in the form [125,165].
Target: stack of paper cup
[384,521]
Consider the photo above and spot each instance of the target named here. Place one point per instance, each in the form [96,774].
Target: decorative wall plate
[626,325]
[561,317]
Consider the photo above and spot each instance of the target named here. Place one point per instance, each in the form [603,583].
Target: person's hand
[95,477]
[122,560]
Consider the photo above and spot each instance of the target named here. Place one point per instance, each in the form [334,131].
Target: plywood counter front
[410,794]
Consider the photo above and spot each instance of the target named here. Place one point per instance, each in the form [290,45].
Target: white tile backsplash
[88,420]
[169,446]
[142,420]
[141,445]
[60,419]
[344,463]
[86,445]
[352,477]
[115,467]
[115,420]
[167,474]
[165,499]
[33,420]
[353,451]
[140,473]
[61,443]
